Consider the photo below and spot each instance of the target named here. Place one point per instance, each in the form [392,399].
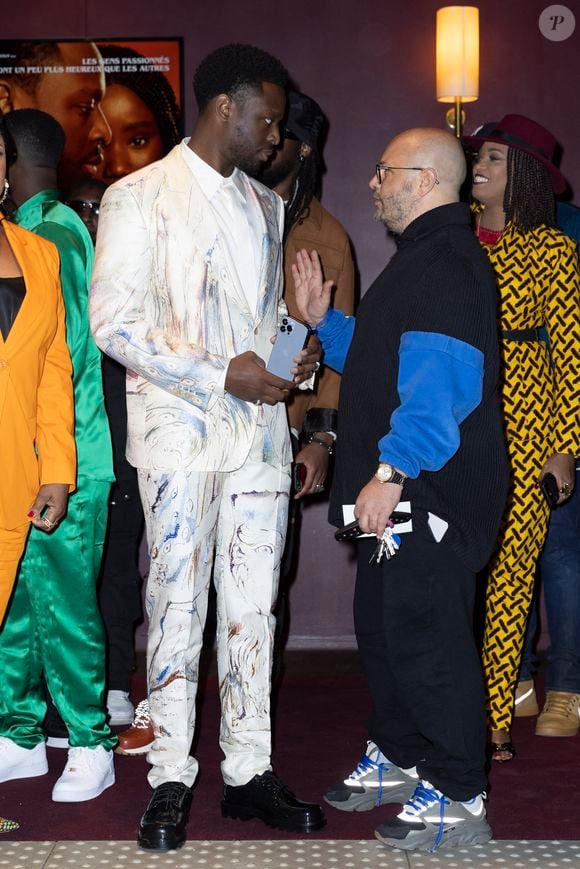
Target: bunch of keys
[388,545]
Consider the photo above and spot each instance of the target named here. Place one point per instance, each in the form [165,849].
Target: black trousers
[414,627]
[120,583]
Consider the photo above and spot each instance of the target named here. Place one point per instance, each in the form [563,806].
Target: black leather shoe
[269,799]
[162,827]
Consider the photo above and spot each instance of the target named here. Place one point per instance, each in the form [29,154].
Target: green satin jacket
[45,215]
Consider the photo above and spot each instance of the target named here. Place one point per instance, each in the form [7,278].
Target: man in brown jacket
[293,173]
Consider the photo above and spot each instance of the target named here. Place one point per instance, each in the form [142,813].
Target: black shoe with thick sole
[162,827]
[269,799]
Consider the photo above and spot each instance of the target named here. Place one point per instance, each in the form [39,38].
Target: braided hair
[7,206]
[9,144]
[305,187]
[152,87]
[528,198]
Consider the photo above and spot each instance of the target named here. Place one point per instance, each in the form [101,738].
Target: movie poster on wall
[119,101]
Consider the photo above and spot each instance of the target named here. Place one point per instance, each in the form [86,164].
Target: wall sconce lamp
[457,60]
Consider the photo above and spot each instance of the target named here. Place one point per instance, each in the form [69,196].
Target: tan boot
[560,715]
[526,703]
[139,738]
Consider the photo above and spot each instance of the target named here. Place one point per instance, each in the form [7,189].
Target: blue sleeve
[440,383]
[335,333]
[568,217]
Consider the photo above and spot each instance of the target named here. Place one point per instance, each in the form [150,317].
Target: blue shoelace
[365,764]
[422,798]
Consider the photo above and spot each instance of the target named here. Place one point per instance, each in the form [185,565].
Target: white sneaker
[88,772]
[57,742]
[17,762]
[119,707]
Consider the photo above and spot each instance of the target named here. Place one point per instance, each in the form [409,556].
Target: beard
[248,163]
[394,211]
[283,164]
[242,157]
[272,174]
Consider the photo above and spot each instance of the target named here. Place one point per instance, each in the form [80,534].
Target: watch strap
[394,477]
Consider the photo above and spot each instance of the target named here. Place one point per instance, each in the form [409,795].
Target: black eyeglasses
[80,205]
[384,167]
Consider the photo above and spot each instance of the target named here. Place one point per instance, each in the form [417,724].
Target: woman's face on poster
[135,140]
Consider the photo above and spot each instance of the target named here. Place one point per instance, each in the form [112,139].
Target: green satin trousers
[12,543]
[54,626]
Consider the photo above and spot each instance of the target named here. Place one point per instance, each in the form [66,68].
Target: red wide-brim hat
[526,135]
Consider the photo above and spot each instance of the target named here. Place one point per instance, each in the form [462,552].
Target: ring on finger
[316,365]
[565,489]
[48,523]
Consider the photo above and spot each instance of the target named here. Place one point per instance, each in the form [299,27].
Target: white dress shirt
[240,220]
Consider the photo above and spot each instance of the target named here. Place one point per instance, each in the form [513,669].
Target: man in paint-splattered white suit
[186,293]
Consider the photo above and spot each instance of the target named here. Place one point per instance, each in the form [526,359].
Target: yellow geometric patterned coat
[539,285]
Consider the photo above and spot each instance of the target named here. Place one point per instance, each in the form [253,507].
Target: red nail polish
[31,514]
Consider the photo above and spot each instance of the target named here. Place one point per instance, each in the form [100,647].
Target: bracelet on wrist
[312,439]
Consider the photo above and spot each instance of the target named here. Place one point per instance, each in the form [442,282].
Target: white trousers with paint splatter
[237,519]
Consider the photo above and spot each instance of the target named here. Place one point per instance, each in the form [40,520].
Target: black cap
[483,130]
[305,119]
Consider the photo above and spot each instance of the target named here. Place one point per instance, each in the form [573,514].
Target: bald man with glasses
[419,424]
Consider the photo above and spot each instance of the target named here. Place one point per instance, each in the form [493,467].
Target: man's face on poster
[74,98]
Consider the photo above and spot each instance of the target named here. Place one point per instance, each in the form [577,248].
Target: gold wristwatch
[385,473]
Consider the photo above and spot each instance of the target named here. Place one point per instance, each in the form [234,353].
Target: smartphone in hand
[352,530]
[291,338]
[298,476]
[549,489]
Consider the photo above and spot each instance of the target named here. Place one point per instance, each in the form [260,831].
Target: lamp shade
[457,53]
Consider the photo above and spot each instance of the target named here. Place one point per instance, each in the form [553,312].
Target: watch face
[384,472]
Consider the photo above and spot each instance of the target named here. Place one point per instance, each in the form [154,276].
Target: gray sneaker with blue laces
[374,782]
[430,820]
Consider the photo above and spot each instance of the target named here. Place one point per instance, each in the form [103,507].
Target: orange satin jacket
[36,399]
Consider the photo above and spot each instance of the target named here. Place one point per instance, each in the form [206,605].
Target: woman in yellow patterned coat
[536,265]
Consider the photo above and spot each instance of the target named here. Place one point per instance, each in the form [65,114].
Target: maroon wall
[370,64]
